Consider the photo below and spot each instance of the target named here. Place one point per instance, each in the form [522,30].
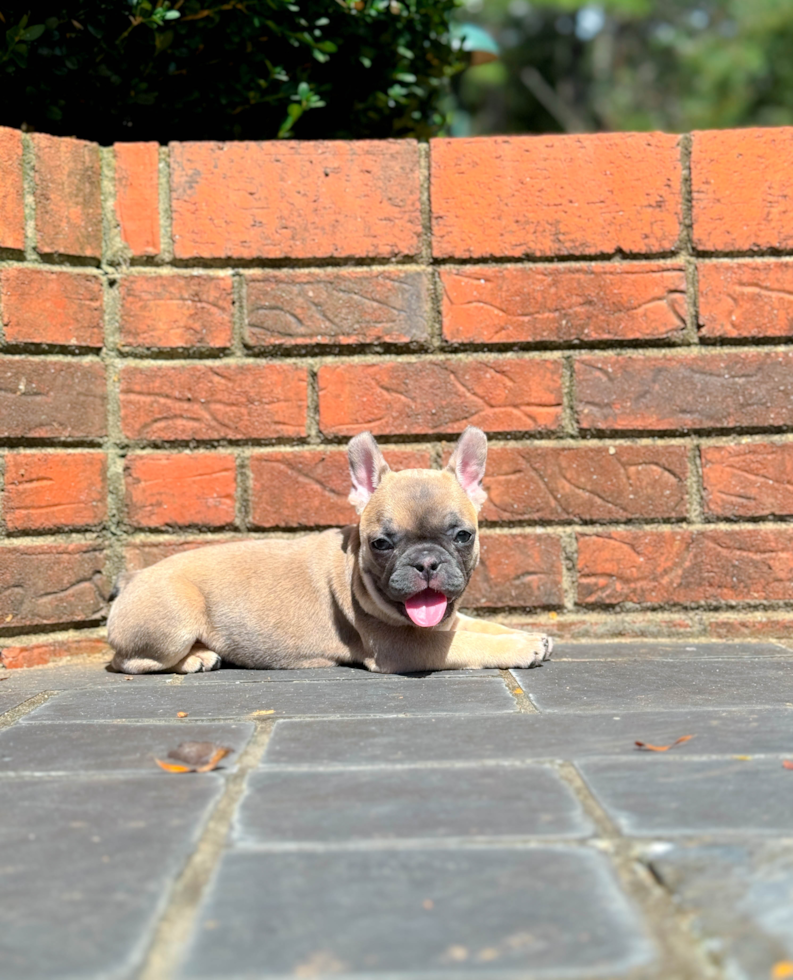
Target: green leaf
[32,33]
[172,15]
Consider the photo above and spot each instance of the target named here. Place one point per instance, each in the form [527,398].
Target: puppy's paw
[532,649]
[196,662]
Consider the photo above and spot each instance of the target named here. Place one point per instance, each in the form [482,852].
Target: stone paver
[470,912]
[659,685]
[521,737]
[404,827]
[86,864]
[741,896]
[334,698]
[384,804]
[65,747]
[678,796]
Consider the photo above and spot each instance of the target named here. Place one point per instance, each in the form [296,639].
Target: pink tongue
[426,608]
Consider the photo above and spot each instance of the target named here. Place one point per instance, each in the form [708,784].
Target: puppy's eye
[382,544]
[463,537]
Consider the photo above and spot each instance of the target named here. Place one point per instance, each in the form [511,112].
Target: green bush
[112,70]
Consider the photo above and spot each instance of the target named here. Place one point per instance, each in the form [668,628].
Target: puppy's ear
[468,464]
[367,468]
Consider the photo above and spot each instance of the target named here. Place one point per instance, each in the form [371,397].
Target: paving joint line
[523,702]
[176,923]
[681,956]
[12,716]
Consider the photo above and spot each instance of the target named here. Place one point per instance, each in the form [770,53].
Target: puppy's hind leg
[160,630]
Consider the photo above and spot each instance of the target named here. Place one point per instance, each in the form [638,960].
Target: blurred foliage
[112,70]
[673,65]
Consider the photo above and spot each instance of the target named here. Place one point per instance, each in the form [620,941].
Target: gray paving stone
[236,675]
[651,650]
[10,700]
[86,867]
[72,677]
[537,912]
[741,896]
[381,741]
[405,696]
[659,684]
[383,804]
[652,796]
[69,747]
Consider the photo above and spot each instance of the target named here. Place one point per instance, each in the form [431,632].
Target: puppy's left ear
[468,464]
[367,468]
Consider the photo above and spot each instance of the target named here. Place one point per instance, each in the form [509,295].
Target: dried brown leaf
[662,748]
[194,757]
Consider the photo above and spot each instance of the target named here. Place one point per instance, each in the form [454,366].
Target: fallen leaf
[181,714]
[172,766]
[787,764]
[269,711]
[194,757]
[782,970]
[517,690]
[662,748]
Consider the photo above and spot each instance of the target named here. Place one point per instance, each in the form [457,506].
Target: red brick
[138,196]
[52,399]
[598,483]
[45,584]
[54,490]
[180,489]
[688,391]
[310,199]
[12,212]
[176,311]
[742,189]
[555,195]
[45,307]
[750,480]
[671,567]
[337,306]
[141,554]
[517,570]
[746,299]
[68,205]
[309,488]
[219,401]
[504,304]
[38,654]
[498,395]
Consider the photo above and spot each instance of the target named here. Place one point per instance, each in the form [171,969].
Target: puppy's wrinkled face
[419,543]
[418,531]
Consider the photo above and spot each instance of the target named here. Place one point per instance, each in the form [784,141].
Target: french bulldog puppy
[383,593]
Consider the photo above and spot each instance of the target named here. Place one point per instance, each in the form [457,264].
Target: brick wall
[190,334]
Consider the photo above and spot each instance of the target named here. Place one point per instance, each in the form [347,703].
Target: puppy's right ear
[367,468]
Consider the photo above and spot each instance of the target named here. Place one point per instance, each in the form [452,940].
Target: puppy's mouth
[426,608]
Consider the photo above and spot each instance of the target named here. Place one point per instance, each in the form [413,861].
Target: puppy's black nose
[426,566]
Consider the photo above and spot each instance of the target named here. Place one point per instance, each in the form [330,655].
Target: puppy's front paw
[532,649]
[200,660]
